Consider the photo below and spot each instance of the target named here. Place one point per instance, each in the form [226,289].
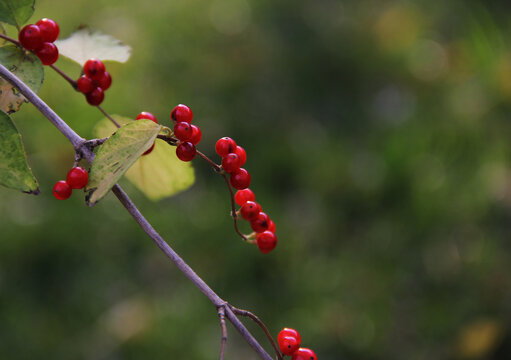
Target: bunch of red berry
[94,81]
[289,342]
[76,178]
[188,135]
[148,116]
[260,222]
[39,38]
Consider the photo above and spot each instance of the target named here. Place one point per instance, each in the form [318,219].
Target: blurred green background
[378,139]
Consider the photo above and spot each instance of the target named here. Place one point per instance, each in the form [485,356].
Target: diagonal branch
[221,315]
[80,145]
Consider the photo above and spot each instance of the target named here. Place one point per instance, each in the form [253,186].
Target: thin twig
[252,316]
[10,39]
[108,116]
[80,145]
[221,315]
[65,76]
[233,211]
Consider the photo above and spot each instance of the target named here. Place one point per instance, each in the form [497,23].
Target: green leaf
[116,156]
[14,170]
[25,66]
[84,44]
[16,12]
[159,174]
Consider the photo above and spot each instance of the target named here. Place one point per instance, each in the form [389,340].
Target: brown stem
[108,116]
[248,314]
[8,38]
[64,75]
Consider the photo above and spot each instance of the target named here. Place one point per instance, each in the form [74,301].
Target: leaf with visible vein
[25,66]
[116,156]
[14,170]
[159,174]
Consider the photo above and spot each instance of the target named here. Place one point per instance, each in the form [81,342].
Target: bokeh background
[378,136]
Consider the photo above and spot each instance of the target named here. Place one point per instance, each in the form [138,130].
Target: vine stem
[80,146]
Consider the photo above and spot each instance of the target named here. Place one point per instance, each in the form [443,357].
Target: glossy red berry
[240,179]
[271,226]
[196,136]
[231,163]
[304,354]
[186,151]
[95,97]
[77,178]
[30,37]
[94,69]
[250,210]
[266,242]
[289,332]
[48,53]
[148,151]
[183,131]
[62,190]
[225,146]
[260,223]
[242,196]
[85,84]
[49,29]
[241,154]
[146,115]
[104,81]
[288,344]
[182,113]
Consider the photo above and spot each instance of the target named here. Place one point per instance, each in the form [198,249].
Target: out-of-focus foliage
[378,139]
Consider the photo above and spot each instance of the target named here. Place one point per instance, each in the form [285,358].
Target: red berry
[181,113]
[196,136]
[49,29]
[186,151]
[289,332]
[242,196]
[148,151]
[48,53]
[77,177]
[94,69]
[241,154]
[260,223]
[288,344]
[240,179]
[146,115]
[30,37]
[104,81]
[231,163]
[266,242]
[95,97]
[271,226]
[304,354]
[183,131]
[62,190]
[250,210]
[225,146]
[85,84]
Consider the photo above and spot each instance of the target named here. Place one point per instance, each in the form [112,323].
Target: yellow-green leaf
[116,156]
[159,174]
[14,170]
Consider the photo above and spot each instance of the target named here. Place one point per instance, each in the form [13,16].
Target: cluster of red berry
[188,135]
[233,158]
[76,178]
[40,38]
[148,116]
[260,222]
[289,342]
[94,81]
